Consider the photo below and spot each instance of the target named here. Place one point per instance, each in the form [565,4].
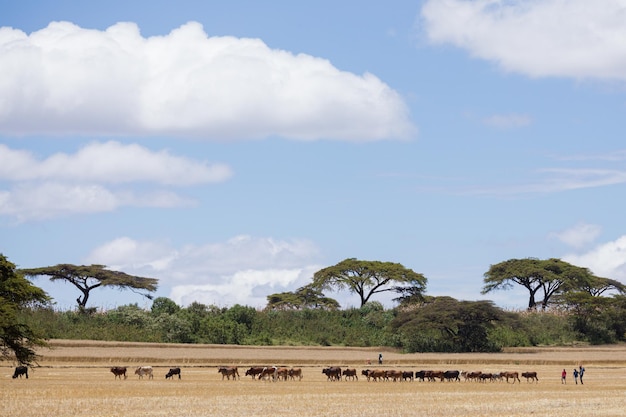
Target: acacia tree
[303,298]
[87,278]
[444,324]
[366,278]
[17,293]
[549,277]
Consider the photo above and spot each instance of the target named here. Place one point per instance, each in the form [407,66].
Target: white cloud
[50,199]
[242,270]
[539,38]
[110,162]
[556,180]
[579,235]
[507,121]
[607,260]
[65,184]
[65,79]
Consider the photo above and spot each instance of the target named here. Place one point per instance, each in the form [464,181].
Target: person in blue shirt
[581,372]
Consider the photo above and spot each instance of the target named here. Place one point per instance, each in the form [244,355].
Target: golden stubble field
[74,380]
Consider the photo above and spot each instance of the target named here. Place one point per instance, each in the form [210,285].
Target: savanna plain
[74,379]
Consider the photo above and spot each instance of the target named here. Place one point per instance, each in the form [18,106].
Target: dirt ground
[74,379]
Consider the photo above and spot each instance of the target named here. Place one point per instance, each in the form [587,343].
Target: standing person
[581,373]
[380,358]
[563,377]
[576,376]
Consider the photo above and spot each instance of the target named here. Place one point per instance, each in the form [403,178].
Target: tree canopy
[366,278]
[303,298]
[548,277]
[444,324]
[16,294]
[87,278]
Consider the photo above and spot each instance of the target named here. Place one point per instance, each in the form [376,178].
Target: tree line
[576,306]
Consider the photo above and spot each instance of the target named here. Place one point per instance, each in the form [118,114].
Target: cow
[451,375]
[333,373]
[485,376]
[471,375]
[295,373]
[393,375]
[268,372]
[282,373]
[20,370]
[407,375]
[421,375]
[228,371]
[375,375]
[511,375]
[350,373]
[433,375]
[530,376]
[143,371]
[255,370]
[172,372]
[118,371]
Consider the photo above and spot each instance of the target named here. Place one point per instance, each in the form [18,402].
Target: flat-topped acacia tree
[366,278]
[87,278]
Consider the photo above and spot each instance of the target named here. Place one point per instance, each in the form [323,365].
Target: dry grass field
[74,380]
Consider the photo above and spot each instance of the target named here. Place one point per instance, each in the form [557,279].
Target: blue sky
[232,149]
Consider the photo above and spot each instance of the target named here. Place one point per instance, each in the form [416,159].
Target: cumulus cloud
[110,162]
[85,179]
[607,260]
[242,270]
[66,79]
[540,38]
[50,199]
[579,235]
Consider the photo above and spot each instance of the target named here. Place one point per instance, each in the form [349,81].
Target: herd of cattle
[333,373]
[336,373]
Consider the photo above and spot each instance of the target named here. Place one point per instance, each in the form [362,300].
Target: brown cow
[350,373]
[295,373]
[512,375]
[268,372]
[393,375]
[255,370]
[282,373]
[228,371]
[375,375]
[530,376]
[471,375]
[143,371]
[433,375]
[118,371]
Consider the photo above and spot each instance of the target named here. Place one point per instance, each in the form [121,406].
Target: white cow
[144,370]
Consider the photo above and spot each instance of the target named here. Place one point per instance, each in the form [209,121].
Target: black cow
[118,371]
[19,371]
[333,373]
[451,375]
[407,375]
[421,375]
[172,372]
